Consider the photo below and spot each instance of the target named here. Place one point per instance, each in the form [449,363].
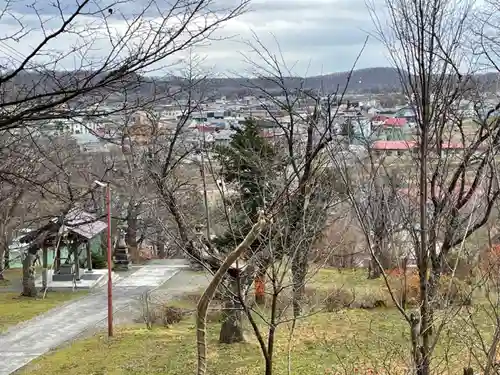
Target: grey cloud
[330,32]
[50,8]
[121,9]
[313,23]
[325,35]
[305,62]
[322,36]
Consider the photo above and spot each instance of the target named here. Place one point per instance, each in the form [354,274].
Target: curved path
[23,343]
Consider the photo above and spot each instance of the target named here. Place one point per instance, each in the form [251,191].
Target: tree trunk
[2,268]
[492,353]
[208,294]
[45,266]
[3,249]
[57,260]
[104,243]
[299,272]
[104,237]
[374,271]
[423,364]
[88,259]
[179,220]
[160,245]
[2,261]
[131,233]
[232,325]
[76,261]
[404,296]
[29,289]
[188,245]
[6,258]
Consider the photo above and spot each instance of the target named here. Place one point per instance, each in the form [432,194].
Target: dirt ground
[184,282]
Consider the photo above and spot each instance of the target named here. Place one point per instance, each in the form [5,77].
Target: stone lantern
[121,256]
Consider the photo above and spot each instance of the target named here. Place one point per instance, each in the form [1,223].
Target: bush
[463,267]
[453,291]
[313,297]
[99,261]
[489,265]
[449,290]
[172,315]
[406,290]
[163,314]
[338,299]
[372,301]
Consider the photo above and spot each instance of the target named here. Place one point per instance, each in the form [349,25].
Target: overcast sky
[315,36]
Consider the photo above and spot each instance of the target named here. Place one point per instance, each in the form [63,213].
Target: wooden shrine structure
[72,230]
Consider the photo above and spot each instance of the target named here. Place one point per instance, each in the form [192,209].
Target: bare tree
[168,158]
[298,205]
[56,177]
[45,89]
[456,185]
[305,128]
[34,89]
[49,88]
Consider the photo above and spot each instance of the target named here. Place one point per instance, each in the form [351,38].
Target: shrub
[406,290]
[489,264]
[454,291]
[372,301]
[162,314]
[167,315]
[313,297]
[172,315]
[338,299]
[463,267]
[99,261]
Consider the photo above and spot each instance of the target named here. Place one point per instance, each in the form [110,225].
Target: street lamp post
[204,181]
[110,251]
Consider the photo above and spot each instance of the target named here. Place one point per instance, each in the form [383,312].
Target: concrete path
[31,339]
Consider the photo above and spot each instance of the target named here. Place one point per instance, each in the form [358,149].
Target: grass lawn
[10,275]
[13,277]
[348,341]
[322,341]
[15,309]
[352,279]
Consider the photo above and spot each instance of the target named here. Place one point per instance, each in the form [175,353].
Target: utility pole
[109,256]
[204,181]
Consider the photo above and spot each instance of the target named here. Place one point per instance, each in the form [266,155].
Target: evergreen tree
[248,163]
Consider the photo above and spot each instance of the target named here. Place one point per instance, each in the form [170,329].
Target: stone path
[31,339]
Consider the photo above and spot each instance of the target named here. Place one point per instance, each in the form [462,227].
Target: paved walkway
[22,344]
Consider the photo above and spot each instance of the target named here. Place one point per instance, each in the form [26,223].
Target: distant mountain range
[361,80]
[370,80]
[374,80]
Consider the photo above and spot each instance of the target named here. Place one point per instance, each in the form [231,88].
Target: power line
[19,57]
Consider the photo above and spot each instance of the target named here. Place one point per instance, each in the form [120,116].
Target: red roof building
[453,146]
[394,145]
[380,118]
[205,128]
[395,122]
[406,145]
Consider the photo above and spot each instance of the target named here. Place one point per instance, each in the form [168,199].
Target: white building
[71,126]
